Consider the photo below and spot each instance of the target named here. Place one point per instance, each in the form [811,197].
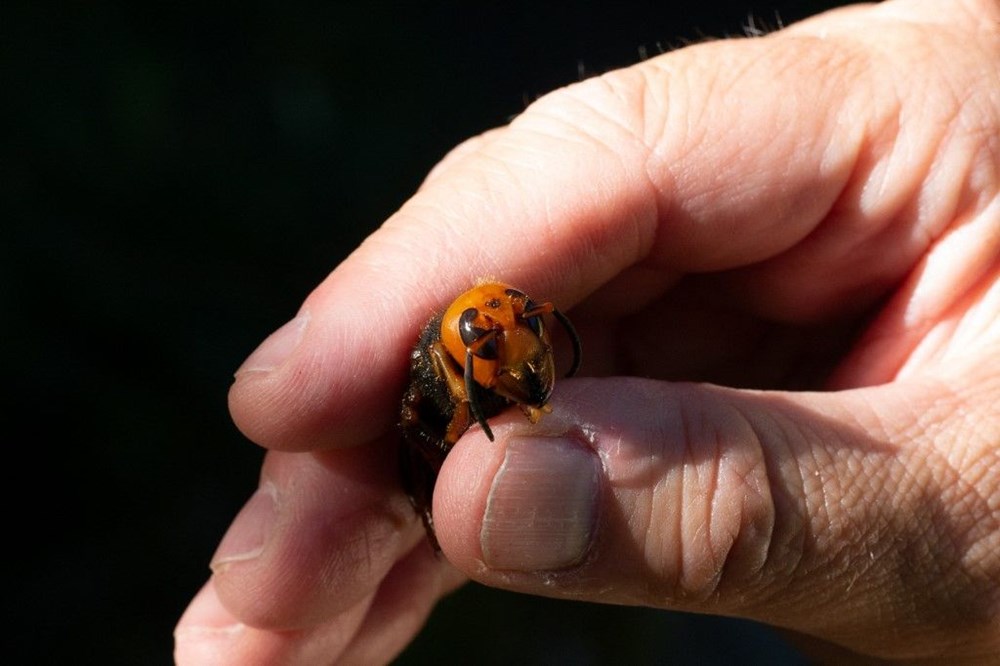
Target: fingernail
[542,507]
[247,535]
[277,347]
[206,633]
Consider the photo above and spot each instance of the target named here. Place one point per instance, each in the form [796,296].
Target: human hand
[815,213]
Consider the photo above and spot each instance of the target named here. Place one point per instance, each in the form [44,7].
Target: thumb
[823,513]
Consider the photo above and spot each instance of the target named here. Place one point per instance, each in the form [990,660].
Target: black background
[174,181]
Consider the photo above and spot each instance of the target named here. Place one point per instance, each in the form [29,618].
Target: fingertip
[322,380]
[316,537]
[205,610]
[277,347]
[206,632]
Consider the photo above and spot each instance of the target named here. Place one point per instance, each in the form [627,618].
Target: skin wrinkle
[692,576]
[585,99]
[449,224]
[772,582]
[934,214]
[644,517]
[882,136]
[723,186]
[687,460]
[654,113]
[765,507]
[957,112]
[787,521]
[562,129]
[696,580]
[608,155]
[648,467]
[379,252]
[592,96]
[718,552]
[743,540]
[720,543]
[591,247]
[530,168]
[769,542]
[690,117]
[568,127]
[655,108]
[451,221]
[942,346]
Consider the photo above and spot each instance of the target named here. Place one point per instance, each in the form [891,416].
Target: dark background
[173,182]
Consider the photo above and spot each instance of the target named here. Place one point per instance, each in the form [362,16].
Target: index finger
[677,164]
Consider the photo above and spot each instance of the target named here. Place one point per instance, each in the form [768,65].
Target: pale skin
[782,255]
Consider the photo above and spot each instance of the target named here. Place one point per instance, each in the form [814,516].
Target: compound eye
[473,336]
[534,322]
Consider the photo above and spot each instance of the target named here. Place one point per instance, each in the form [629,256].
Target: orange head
[496,333]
